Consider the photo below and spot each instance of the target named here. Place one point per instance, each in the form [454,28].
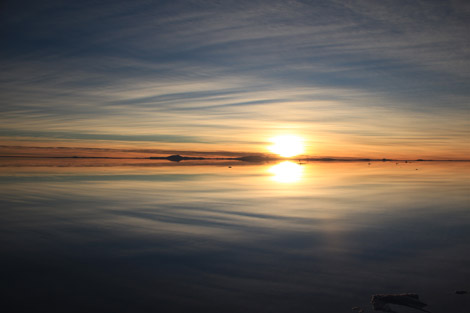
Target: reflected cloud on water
[203,238]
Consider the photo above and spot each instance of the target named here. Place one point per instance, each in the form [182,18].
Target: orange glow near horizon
[324,147]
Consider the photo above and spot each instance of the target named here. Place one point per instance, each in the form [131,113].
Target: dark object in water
[381,302]
[461,292]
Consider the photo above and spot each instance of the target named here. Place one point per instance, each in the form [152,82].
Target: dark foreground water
[319,237]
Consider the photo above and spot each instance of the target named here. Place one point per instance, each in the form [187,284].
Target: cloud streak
[222,70]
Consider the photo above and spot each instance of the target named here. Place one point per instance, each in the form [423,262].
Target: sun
[287,145]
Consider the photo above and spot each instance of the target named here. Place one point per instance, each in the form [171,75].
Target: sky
[352,78]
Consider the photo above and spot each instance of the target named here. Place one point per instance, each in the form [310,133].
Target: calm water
[318,237]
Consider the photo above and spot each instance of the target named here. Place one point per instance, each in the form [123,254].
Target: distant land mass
[263,159]
[51,152]
[248,158]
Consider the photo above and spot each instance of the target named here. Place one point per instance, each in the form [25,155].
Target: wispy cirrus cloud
[222,71]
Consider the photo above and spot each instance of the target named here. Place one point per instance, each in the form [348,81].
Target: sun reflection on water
[286,172]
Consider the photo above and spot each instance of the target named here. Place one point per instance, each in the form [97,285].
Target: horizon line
[248,158]
[143,153]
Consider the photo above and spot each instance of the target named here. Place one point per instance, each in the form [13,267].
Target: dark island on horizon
[248,158]
[263,159]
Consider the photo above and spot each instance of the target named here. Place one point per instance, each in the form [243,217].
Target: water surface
[114,236]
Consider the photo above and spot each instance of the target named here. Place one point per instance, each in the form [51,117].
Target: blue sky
[359,78]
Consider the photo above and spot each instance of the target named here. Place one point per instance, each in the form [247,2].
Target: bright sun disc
[287,146]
